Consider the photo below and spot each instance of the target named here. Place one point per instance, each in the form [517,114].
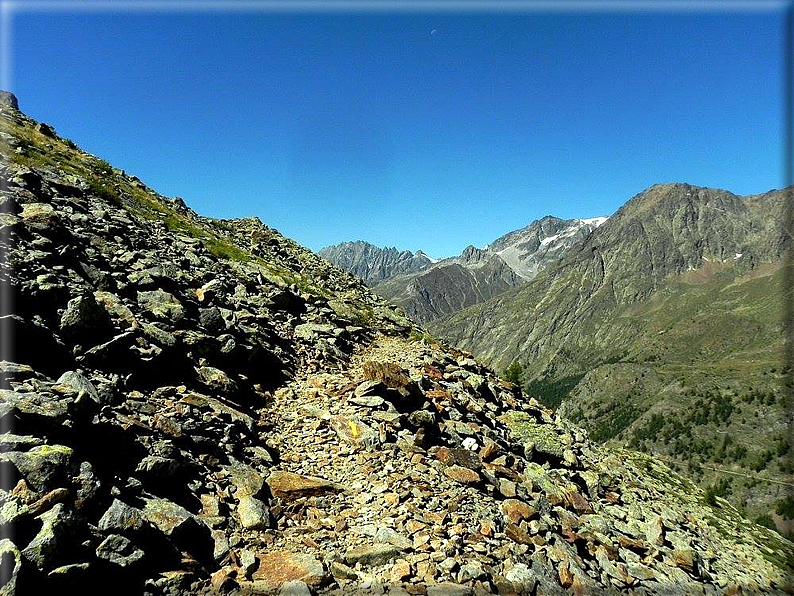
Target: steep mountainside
[199,406]
[374,264]
[664,328]
[476,275]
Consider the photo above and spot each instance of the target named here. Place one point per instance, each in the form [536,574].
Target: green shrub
[514,373]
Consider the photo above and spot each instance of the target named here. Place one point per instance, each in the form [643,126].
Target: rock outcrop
[203,406]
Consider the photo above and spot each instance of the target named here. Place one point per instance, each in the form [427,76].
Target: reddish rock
[515,533]
[462,475]
[277,567]
[289,486]
[459,457]
[516,510]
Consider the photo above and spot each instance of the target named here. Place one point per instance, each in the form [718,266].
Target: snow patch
[549,240]
[595,221]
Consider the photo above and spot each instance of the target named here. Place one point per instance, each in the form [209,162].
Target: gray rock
[369,388]
[294,588]
[161,304]
[11,442]
[216,379]
[389,536]
[37,407]
[247,562]
[369,401]
[211,319]
[119,550]
[121,518]
[181,527]
[53,539]
[253,513]
[81,385]
[522,578]
[43,466]
[84,319]
[8,100]
[372,554]
[10,564]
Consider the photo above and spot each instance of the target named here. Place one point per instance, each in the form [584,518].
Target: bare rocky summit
[374,264]
[199,406]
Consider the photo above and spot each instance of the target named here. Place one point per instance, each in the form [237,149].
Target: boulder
[277,567]
[53,540]
[161,304]
[8,100]
[84,320]
[121,518]
[43,466]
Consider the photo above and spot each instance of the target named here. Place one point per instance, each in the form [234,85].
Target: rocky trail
[199,406]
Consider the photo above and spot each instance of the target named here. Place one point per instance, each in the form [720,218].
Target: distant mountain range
[427,289]
[372,263]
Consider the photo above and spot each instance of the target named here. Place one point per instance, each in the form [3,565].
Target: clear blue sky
[428,131]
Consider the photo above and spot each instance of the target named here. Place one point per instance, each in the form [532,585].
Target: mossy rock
[526,429]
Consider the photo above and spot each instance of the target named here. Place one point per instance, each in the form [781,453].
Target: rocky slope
[663,328]
[477,274]
[202,406]
[372,263]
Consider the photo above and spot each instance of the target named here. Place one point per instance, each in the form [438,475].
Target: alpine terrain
[202,406]
[374,264]
[477,274]
[663,330]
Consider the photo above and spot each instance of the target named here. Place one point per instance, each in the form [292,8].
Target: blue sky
[426,130]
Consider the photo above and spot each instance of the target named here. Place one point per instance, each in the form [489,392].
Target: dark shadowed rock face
[202,406]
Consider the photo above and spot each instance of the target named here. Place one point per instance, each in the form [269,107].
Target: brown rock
[459,457]
[400,570]
[566,578]
[489,451]
[462,475]
[223,581]
[684,558]
[516,510]
[577,501]
[289,486]
[277,567]
[515,533]
[388,373]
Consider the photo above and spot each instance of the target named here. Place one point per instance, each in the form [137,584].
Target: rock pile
[202,406]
